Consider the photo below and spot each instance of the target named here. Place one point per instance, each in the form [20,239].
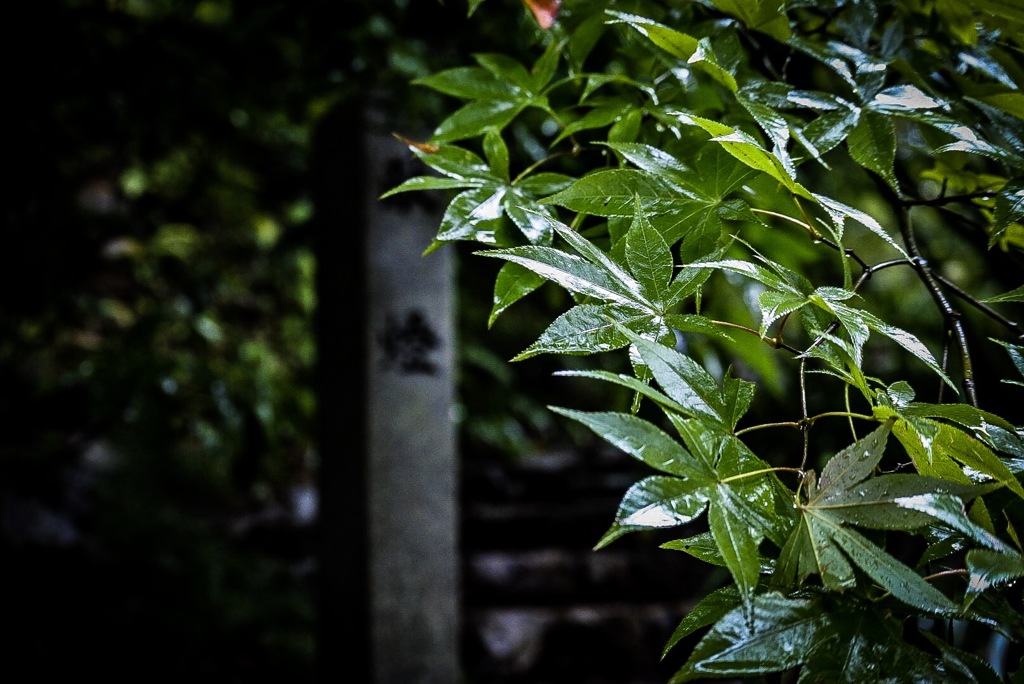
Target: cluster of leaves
[720,186]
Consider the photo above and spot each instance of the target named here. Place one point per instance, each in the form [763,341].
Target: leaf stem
[849,417]
[752,473]
[785,217]
[774,342]
[540,162]
[806,422]
[946,573]
[762,426]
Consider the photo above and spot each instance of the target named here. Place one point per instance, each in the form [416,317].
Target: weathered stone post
[413,470]
[388,468]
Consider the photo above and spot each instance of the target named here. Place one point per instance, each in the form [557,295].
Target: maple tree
[720,186]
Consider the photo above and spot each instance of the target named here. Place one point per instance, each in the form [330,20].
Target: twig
[805,423]
[943,199]
[774,342]
[803,411]
[951,315]
[981,306]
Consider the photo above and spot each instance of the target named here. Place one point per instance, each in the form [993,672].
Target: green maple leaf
[846,495]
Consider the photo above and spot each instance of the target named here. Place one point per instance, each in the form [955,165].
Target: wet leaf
[600,115]
[540,184]
[872,144]
[591,329]
[709,610]
[908,342]
[839,212]
[991,569]
[656,502]
[473,215]
[683,379]
[963,666]
[613,193]
[774,305]
[1009,209]
[468,83]
[736,541]
[512,283]
[644,441]
[778,633]
[899,580]
[747,150]
[496,152]
[844,496]
[451,160]
[703,547]
[902,98]
[1014,295]
[648,257]
[704,59]
[430,183]
[632,383]
[862,645]
[658,163]
[1016,353]
[977,457]
[854,463]
[774,276]
[775,126]
[572,272]
[766,16]
[674,42]
[475,118]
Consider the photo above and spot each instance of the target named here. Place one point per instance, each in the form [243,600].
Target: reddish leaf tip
[544,11]
[426,148]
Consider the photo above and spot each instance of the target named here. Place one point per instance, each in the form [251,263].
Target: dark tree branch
[981,306]
[952,317]
[943,199]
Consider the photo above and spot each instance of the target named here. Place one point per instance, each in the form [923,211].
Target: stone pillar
[412,466]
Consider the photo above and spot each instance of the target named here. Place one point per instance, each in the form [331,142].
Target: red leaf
[544,11]
[426,148]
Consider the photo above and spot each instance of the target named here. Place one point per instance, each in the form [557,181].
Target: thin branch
[951,315]
[803,411]
[931,283]
[763,426]
[981,306]
[871,270]
[864,277]
[806,422]
[540,162]
[943,199]
[774,342]
[945,365]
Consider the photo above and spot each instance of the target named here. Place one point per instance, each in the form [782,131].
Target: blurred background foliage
[158,349]
[157,346]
